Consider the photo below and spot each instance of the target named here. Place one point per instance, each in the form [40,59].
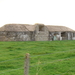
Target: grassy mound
[46,57]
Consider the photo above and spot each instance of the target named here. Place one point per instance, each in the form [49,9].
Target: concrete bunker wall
[61,35]
[15,36]
[41,33]
[38,35]
[55,36]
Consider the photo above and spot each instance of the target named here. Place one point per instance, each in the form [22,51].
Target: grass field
[46,58]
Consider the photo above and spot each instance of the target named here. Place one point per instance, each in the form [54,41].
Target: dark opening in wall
[63,34]
[41,28]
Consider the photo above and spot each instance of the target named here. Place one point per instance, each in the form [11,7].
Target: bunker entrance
[63,34]
[41,28]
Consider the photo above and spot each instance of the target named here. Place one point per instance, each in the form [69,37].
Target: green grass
[46,57]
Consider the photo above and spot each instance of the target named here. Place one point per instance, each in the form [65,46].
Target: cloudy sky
[50,12]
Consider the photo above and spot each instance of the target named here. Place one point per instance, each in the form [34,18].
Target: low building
[37,32]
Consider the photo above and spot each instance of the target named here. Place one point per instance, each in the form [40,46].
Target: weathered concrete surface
[14,36]
[38,32]
[42,33]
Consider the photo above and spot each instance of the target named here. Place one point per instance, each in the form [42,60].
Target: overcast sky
[50,12]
